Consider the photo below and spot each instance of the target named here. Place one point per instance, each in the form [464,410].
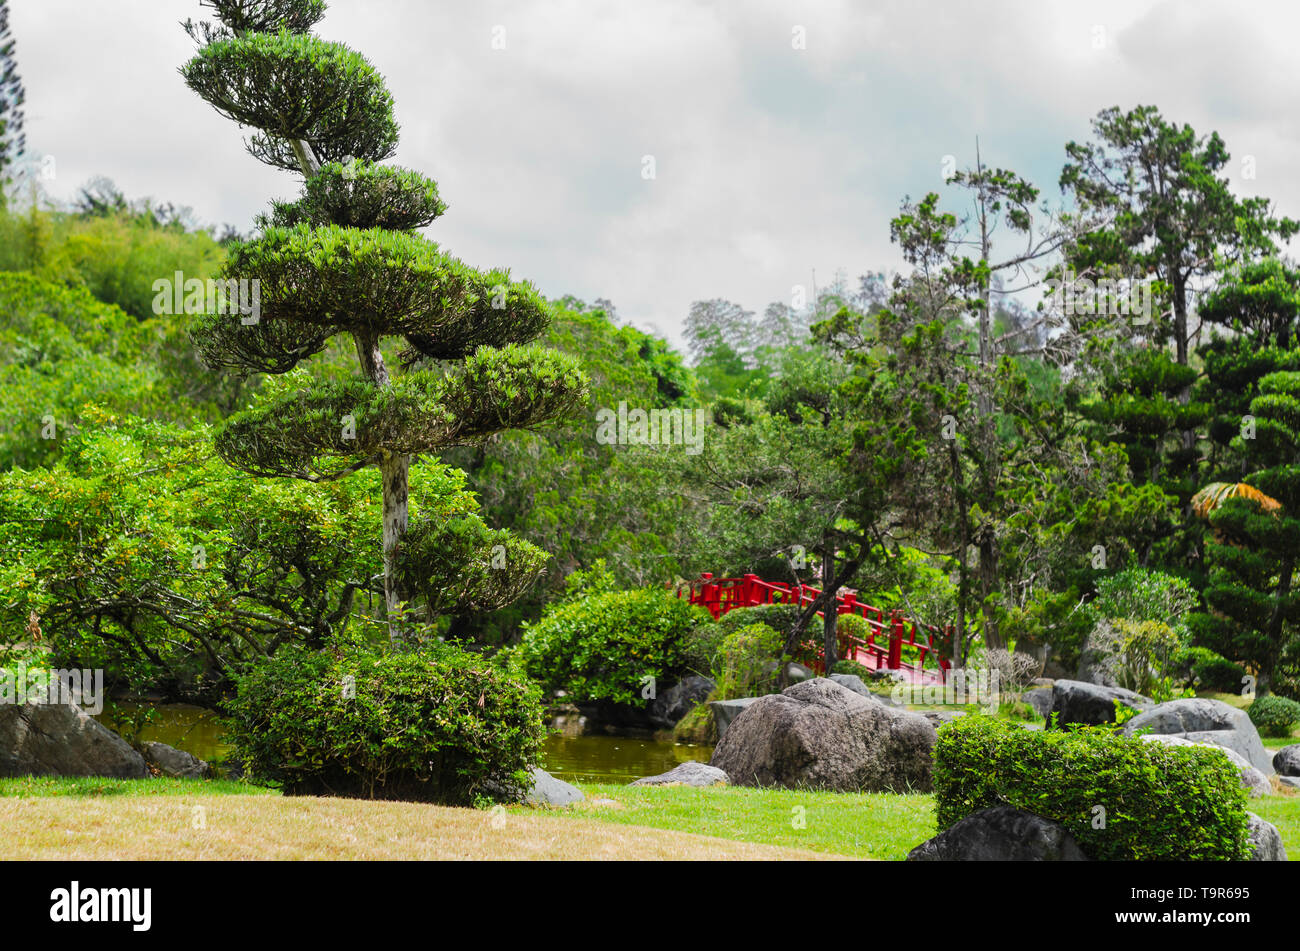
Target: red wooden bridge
[892,642]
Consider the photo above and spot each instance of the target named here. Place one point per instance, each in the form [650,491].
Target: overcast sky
[770,161]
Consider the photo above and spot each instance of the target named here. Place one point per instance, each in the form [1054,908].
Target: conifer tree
[347,258]
[1250,379]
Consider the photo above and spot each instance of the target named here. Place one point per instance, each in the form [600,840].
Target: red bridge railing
[888,638]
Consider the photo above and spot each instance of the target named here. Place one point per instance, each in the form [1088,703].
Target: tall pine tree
[1252,383]
[347,258]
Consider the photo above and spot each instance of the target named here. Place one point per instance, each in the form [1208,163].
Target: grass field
[191,819]
[197,819]
[864,825]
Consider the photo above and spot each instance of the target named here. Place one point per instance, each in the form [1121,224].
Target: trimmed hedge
[442,725]
[1180,803]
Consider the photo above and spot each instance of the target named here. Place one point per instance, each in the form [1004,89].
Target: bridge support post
[896,642]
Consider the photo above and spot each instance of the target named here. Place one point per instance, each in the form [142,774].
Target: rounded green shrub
[1274,716]
[853,625]
[861,671]
[748,661]
[1171,803]
[604,646]
[442,725]
[702,646]
[780,617]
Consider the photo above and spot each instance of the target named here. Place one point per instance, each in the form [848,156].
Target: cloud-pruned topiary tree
[346,258]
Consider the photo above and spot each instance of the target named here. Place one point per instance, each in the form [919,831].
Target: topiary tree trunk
[347,258]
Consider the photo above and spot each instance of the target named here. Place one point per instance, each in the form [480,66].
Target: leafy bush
[853,625]
[603,646]
[780,617]
[1144,654]
[864,673]
[1143,594]
[441,726]
[1210,671]
[702,646]
[1180,803]
[1274,716]
[597,579]
[748,662]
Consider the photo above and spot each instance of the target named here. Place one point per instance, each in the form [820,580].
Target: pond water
[588,759]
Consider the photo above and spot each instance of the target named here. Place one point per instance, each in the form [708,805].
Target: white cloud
[771,161]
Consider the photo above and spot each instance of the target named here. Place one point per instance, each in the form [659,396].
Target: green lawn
[865,825]
[862,825]
[45,786]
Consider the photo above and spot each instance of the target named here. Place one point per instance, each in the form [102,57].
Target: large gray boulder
[724,711]
[178,764]
[1252,780]
[1075,701]
[687,774]
[819,734]
[1000,834]
[59,739]
[1265,841]
[797,673]
[549,791]
[1287,760]
[1206,721]
[669,706]
[1040,699]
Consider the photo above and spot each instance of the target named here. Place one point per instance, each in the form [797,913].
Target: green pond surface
[589,759]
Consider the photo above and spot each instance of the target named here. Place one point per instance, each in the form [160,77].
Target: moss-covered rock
[696,727]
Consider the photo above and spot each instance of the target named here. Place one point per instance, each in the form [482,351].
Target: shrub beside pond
[1181,803]
[603,646]
[442,725]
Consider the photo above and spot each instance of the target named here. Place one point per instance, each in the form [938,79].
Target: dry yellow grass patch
[272,827]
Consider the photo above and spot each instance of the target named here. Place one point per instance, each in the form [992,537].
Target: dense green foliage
[607,645]
[747,662]
[1023,476]
[1121,798]
[1274,716]
[142,553]
[441,725]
